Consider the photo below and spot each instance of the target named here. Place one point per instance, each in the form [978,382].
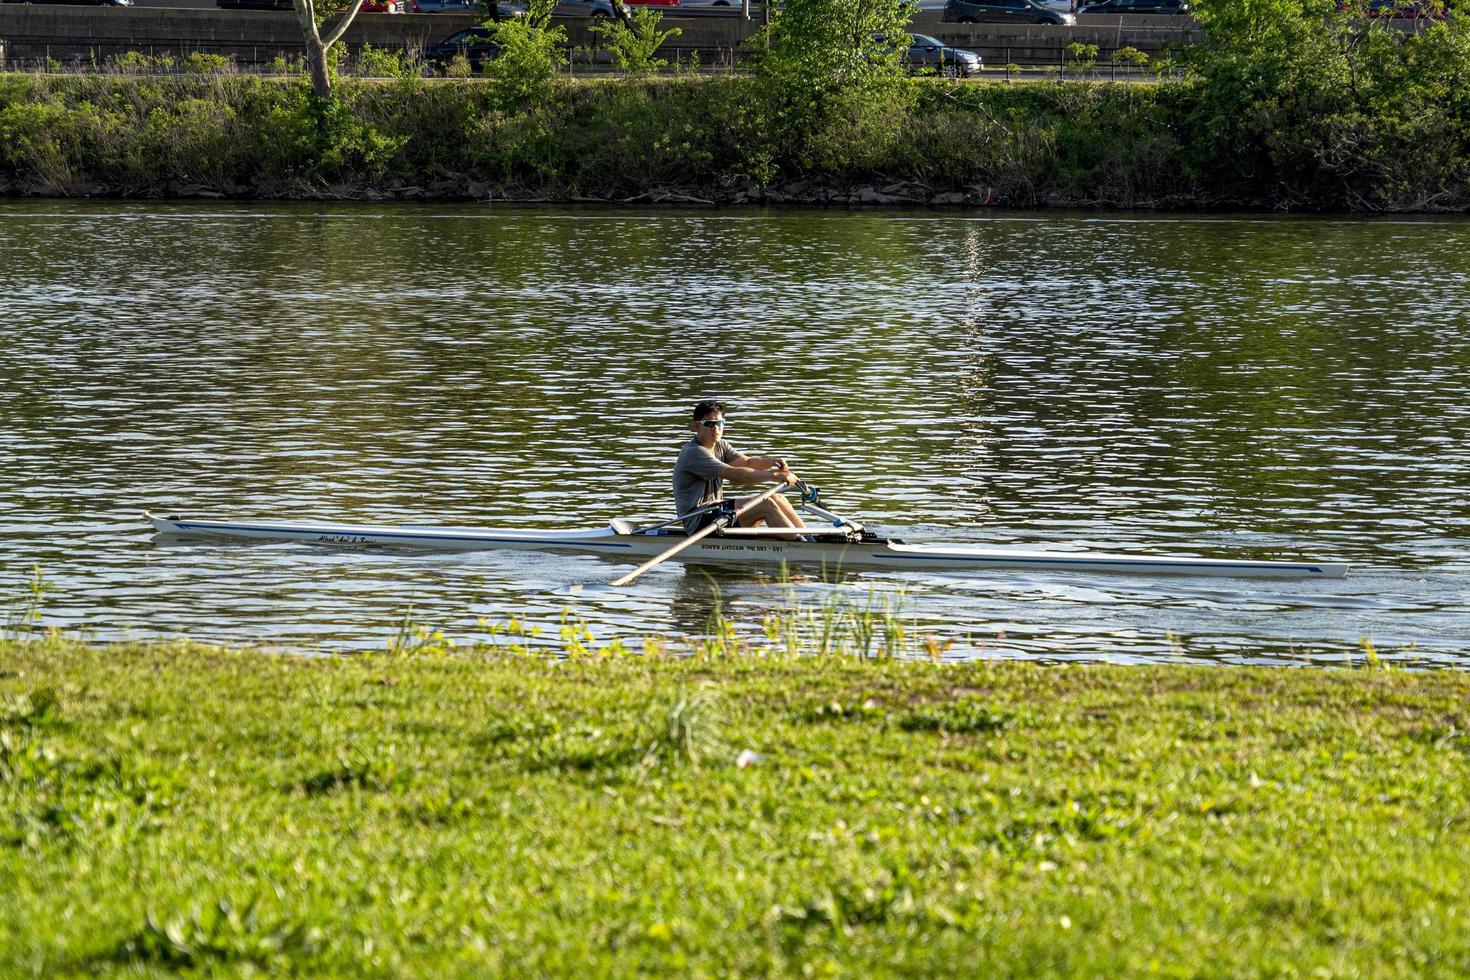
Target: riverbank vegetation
[176,806]
[1288,104]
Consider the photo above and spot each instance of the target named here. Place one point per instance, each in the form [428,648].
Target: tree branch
[306,16]
[341,28]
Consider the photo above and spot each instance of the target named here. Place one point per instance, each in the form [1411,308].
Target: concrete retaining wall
[75,33]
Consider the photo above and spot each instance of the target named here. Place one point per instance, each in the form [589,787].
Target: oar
[699,535]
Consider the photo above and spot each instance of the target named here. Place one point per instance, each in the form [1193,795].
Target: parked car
[1410,10]
[475,8]
[253,4]
[476,44]
[1003,12]
[596,9]
[1136,7]
[928,55]
[381,7]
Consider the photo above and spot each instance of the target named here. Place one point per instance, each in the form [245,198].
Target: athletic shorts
[703,520]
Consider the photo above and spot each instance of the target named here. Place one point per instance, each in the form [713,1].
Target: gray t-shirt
[697,476]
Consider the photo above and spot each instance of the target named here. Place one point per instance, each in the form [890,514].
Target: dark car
[596,9]
[476,8]
[476,44]
[1136,7]
[1395,8]
[930,56]
[1003,12]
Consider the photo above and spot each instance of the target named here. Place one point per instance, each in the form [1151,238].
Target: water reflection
[1260,388]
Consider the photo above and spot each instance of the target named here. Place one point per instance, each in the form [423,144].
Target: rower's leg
[770,513]
[793,519]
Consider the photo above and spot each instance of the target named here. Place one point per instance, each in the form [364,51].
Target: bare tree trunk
[316,62]
[317,46]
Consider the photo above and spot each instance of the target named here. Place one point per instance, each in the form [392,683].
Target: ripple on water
[1205,386]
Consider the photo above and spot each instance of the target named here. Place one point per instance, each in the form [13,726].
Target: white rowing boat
[838,543]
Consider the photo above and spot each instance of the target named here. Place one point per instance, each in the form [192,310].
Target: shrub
[1082,56]
[458,67]
[635,48]
[531,56]
[1130,55]
[199,63]
[1297,102]
[382,63]
[280,65]
[138,63]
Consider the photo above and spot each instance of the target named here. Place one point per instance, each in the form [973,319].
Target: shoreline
[700,142]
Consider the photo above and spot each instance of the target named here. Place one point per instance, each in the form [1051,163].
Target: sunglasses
[713,423]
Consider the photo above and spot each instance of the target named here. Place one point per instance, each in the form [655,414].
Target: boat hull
[837,553]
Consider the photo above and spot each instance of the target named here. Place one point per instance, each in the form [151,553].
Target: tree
[317,47]
[830,85]
[818,47]
[1310,105]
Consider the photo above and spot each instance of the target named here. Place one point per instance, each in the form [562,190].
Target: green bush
[532,54]
[1082,56]
[635,48]
[1298,102]
[199,63]
[1130,55]
[138,63]
[381,63]
[282,66]
[458,67]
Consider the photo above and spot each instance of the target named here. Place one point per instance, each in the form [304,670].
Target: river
[1215,385]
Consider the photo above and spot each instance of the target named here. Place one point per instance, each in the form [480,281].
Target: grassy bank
[1178,144]
[709,139]
[175,806]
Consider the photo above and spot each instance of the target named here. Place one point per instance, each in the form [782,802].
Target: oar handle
[699,535]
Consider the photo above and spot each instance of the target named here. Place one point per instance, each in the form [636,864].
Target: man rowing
[707,460]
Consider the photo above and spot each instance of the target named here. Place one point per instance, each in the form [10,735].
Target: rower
[707,460]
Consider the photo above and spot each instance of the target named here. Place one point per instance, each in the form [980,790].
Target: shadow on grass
[222,934]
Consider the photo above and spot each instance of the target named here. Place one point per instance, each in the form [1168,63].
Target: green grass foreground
[167,807]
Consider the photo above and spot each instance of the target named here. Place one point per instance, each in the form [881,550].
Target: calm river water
[1219,386]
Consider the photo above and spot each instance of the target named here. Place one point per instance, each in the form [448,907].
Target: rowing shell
[757,544]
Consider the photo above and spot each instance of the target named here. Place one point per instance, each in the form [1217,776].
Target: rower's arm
[759,462]
[749,475]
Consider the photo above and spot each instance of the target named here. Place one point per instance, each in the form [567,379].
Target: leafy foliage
[532,54]
[384,63]
[1299,101]
[820,47]
[635,48]
[203,63]
[1393,135]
